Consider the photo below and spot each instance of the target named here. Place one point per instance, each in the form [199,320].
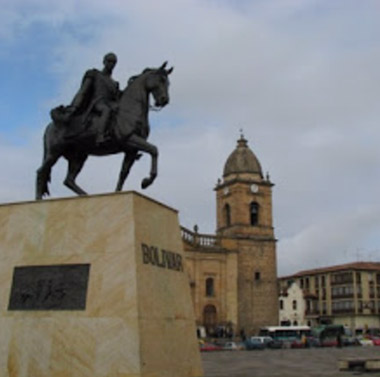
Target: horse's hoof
[145,183]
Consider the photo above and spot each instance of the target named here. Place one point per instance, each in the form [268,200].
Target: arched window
[281,304]
[227,214]
[210,287]
[254,213]
[294,305]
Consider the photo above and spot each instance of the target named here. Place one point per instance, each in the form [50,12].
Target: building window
[359,290]
[358,277]
[227,214]
[295,323]
[323,293]
[281,304]
[210,287]
[307,283]
[294,305]
[257,275]
[254,212]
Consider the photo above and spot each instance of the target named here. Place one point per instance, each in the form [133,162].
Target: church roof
[242,160]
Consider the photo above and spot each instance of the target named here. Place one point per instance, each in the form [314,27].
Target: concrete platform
[369,364]
[313,362]
[94,287]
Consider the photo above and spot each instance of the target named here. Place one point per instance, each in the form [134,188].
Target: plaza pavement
[312,362]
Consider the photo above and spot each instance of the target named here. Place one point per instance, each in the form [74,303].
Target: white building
[292,306]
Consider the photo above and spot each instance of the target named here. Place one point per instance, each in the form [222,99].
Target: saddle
[78,125]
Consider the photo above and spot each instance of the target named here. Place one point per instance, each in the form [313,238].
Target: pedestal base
[94,286]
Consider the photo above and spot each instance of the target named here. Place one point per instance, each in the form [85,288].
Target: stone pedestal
[94,286]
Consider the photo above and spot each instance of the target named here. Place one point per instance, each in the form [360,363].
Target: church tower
[244,197]
[244,216]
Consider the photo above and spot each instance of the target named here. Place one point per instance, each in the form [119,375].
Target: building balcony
[204,241]
[343,311]
[344,282]
[342,295]
[313,313]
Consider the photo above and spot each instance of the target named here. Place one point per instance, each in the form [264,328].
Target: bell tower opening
[227,214]
[254,213]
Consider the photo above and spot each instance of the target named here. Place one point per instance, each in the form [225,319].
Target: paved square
[312,362]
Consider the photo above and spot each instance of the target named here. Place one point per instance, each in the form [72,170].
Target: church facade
[233,273]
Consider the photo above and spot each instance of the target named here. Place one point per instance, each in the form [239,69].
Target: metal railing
[200,240]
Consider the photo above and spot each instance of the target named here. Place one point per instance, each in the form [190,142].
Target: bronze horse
[129,131]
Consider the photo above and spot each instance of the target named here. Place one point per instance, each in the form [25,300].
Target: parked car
[376,341]
[366,342]
[275,344]
[297,344]
[255,343]
[262,339]
[233,346]
[207,347]
[350,341]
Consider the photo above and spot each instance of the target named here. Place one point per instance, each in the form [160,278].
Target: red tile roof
[367,266]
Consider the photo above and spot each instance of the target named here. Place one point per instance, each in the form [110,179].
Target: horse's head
[157,83]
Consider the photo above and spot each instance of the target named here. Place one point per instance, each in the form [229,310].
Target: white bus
[285,333]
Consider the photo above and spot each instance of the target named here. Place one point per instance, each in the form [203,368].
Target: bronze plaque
[57,287]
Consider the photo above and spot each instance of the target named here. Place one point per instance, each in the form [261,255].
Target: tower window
[227,214]
[254,213]
[210,287]
[257,275]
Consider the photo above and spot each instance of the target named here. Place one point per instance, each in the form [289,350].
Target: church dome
[242,161]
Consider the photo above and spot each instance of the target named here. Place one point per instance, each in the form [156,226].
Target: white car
[230,346]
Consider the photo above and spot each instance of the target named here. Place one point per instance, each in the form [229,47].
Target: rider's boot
[102,127]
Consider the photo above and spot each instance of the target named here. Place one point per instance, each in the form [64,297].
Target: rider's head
[109,61]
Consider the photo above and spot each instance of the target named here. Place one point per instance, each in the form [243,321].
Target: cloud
[331,241]
[300,77]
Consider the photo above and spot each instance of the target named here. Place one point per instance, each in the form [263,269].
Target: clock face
[226,191]
[254,188]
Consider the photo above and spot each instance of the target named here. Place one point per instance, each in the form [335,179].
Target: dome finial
[242,142]
[241,134]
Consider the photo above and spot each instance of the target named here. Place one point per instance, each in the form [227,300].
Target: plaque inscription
[57,287]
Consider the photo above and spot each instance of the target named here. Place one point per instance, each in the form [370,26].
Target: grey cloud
[300,79]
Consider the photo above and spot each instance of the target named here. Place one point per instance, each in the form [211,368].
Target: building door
[209,316]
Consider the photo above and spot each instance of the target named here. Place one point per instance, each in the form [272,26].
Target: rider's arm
[83,91]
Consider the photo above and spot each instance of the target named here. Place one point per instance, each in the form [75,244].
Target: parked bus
[329,331]
[285,333]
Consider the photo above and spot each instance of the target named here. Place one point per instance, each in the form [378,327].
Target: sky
[301,78]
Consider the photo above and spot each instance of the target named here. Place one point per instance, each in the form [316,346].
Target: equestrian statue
[102,120]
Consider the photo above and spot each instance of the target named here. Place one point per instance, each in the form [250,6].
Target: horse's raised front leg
[43,176]
[75,166]
[140,144]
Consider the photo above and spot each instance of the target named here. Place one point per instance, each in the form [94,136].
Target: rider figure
[99,92]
